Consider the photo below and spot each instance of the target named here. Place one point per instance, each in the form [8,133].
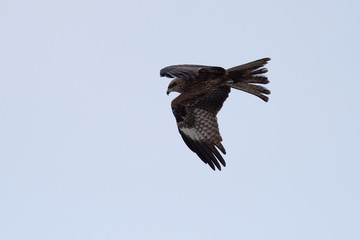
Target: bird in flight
[203,90]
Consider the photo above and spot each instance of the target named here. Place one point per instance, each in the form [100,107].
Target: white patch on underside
[192,133]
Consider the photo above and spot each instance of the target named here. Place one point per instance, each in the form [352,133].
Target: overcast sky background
[89,147]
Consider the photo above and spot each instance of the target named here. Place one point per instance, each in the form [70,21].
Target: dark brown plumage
[203,90]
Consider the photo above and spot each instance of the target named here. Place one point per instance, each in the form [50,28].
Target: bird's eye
[172,85]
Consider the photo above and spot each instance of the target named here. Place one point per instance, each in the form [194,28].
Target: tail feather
[256,90]
[244,76]
[251,65]
[256,79]
[259,71]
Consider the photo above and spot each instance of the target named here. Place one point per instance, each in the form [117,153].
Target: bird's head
[176,85]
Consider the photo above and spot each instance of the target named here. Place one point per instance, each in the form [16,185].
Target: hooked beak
[167,92]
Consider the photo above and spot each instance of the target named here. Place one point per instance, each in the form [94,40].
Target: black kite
[203,90]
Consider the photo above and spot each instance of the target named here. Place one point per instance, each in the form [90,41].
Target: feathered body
[203,90]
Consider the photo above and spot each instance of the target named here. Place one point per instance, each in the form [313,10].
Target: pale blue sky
[89,147]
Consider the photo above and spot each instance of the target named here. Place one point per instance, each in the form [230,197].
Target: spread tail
[246,77]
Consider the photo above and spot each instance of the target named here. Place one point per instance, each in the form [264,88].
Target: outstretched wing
[192,72]
[197,123]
